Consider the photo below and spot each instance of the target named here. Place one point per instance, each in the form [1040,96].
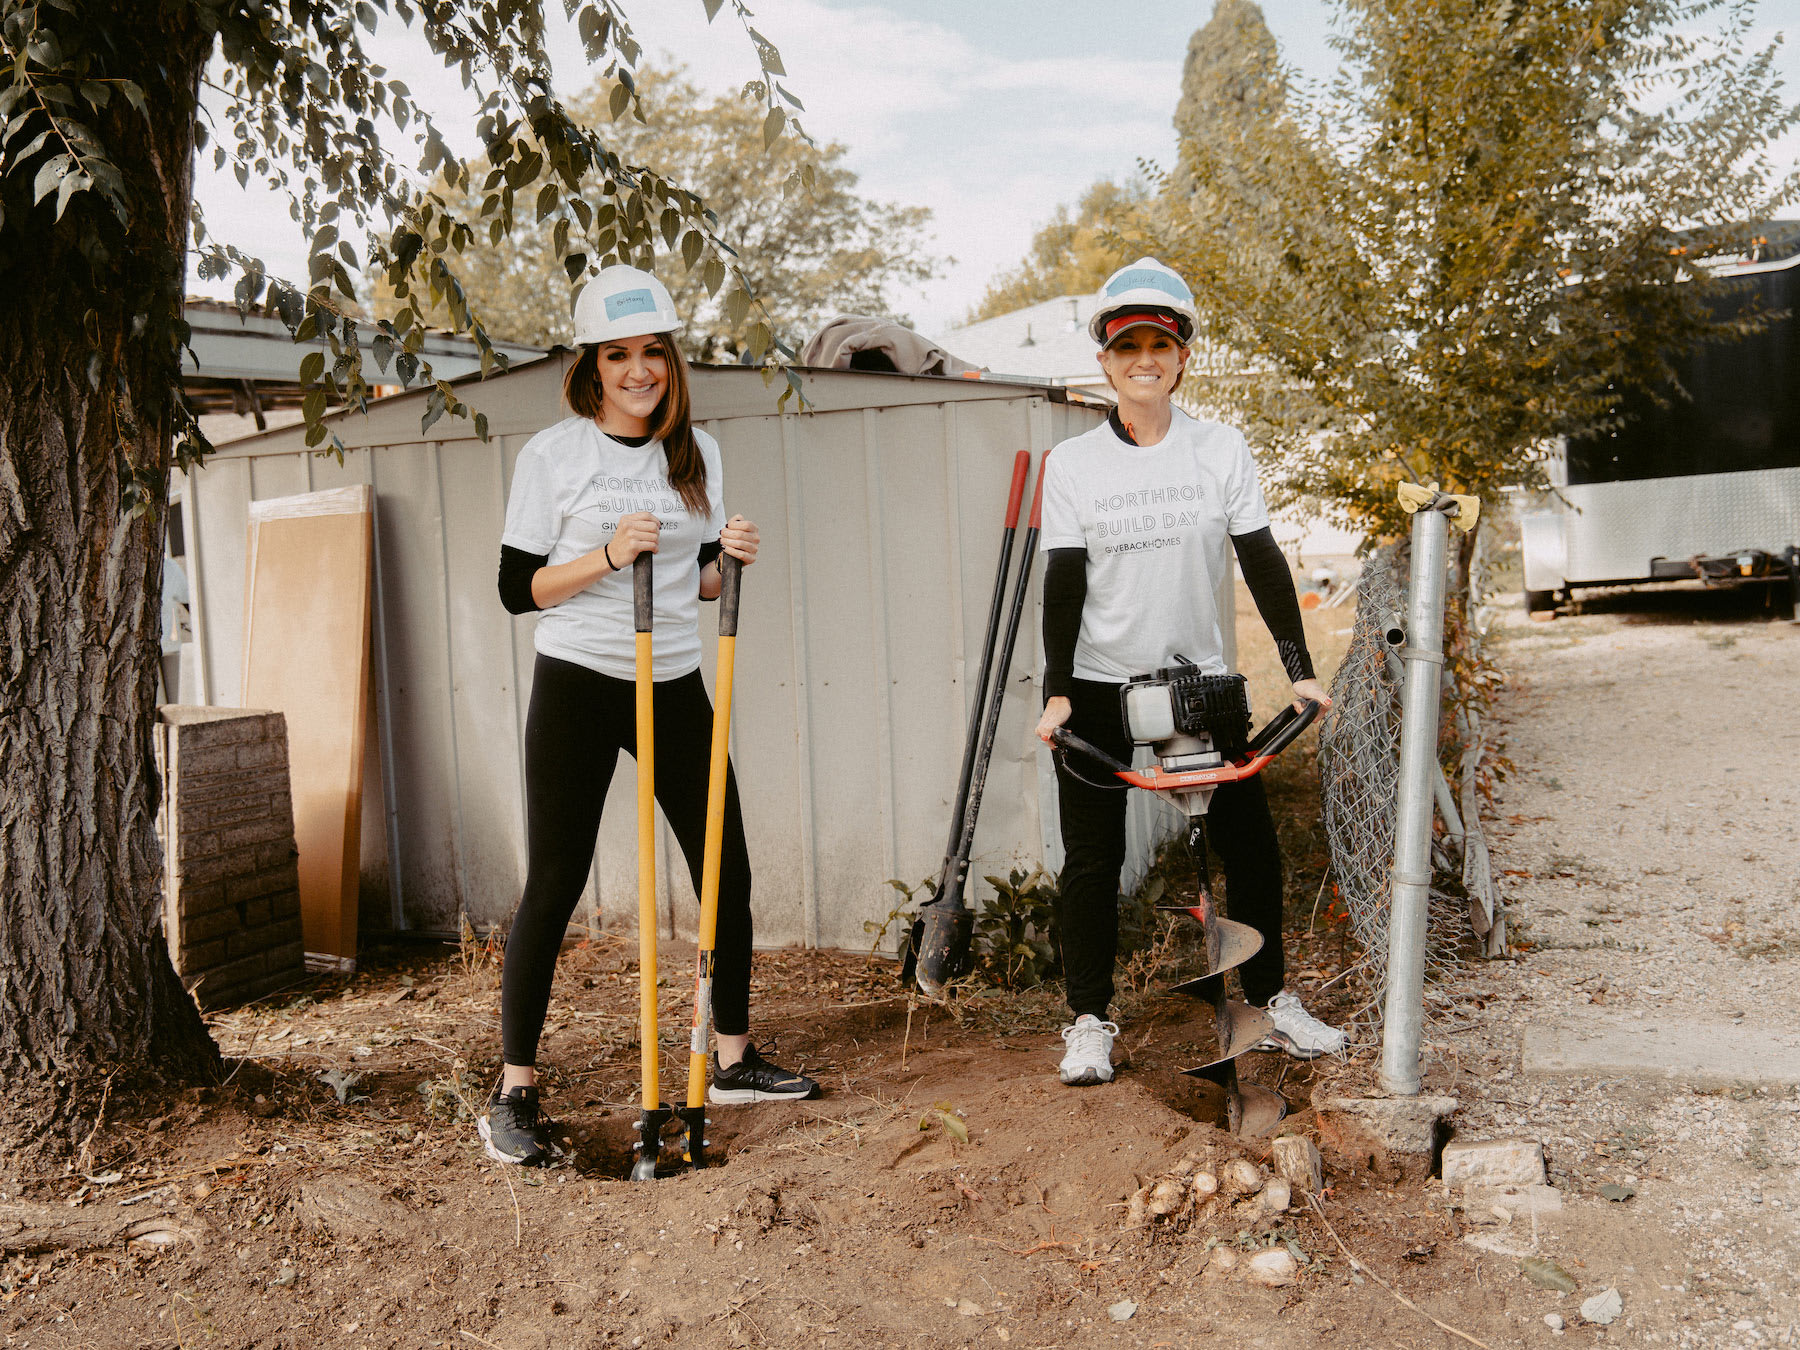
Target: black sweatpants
[578,723]
[1238,826]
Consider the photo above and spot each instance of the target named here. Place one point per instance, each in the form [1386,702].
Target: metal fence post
[1410,894]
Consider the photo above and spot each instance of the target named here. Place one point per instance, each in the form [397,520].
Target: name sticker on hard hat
[630,302]
[1144,279]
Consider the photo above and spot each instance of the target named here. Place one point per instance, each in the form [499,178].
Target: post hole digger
[693,1115]
[655,1116]
[939,947]
[1198,728]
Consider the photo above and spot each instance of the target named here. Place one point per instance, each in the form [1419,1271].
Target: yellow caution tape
[1413,497]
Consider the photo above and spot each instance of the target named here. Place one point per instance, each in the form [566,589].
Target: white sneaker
[1298,1032]
[1088,1059]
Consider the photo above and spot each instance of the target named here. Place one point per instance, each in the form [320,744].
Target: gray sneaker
[516,1130]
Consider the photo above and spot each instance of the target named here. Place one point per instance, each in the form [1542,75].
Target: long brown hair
[669,423]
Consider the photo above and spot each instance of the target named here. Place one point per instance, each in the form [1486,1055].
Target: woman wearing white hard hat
[1136,517]
[627,474]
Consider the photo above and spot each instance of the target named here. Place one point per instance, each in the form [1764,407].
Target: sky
[991,113]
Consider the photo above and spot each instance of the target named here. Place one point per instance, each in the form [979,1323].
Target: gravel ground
[1649,1031]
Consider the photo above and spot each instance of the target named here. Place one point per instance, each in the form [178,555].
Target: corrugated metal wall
[880,514]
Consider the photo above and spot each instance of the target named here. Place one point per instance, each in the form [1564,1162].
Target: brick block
[224,978]
[256,913]
[199,928]
[284,905]
[197,897]
[216,866]
[279,854]
[259,754]
[247,942]
[287,930]
[255,884]
[199,956]
[254,828]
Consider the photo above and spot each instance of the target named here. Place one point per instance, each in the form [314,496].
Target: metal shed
[880,510]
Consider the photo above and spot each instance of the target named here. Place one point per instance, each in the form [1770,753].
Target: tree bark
[86,985]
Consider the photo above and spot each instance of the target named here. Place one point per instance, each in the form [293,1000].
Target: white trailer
[1705,487]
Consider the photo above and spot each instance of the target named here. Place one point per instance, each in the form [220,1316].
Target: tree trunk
[86,986]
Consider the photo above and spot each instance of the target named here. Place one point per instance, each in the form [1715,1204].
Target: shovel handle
[731,575]
[643,592]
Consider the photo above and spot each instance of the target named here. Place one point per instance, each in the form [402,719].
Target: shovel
[693,1115]
[949,924]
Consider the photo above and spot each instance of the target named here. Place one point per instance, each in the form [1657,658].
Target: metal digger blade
[1239,1026]
[1228,945]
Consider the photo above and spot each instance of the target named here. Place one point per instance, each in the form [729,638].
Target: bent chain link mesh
[1359,771]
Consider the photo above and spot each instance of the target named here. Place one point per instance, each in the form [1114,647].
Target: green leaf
[49,176]
[481,426]
[953,1124]
[772,125]
[312,365]
[618,100]
[712,8]
[692,243]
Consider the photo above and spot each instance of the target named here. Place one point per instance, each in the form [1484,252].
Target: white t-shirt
[1155,521]
[571,485]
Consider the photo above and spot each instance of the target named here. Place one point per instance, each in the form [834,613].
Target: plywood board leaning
[306,653]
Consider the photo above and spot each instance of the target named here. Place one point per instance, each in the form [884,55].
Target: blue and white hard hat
[623,302]
[1143,293]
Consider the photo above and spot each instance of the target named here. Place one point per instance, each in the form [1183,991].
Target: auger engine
[1198,727]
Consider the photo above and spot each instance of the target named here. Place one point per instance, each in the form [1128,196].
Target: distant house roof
[1048,340]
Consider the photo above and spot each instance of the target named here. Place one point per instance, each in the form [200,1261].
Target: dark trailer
[1704,487]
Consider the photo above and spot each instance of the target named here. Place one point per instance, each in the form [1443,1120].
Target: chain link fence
[1359,770]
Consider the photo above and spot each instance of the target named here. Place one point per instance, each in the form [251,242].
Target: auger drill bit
[1249,1109]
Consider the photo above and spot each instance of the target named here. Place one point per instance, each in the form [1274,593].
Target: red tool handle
[1021,467]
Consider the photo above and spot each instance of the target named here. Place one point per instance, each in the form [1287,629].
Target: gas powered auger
[1198,726]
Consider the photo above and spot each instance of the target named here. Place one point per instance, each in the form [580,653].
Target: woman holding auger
[1136,515]
[627,474]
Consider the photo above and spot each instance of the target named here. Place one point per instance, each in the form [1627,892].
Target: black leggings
[1238,826]
[578,723]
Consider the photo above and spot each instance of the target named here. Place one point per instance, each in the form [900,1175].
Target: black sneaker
[516,1130]
[754,1079]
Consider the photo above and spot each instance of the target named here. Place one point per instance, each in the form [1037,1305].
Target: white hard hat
[1148,288]
[623,302]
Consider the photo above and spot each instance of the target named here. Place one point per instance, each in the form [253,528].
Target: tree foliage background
[101,119]
[1497,219]
[808,251]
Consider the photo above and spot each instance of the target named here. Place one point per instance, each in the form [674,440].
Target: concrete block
[1493,1162]
[278,854]
[1297,1160]
[1406,1125]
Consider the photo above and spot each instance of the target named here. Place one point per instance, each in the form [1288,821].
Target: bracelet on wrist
[606,552]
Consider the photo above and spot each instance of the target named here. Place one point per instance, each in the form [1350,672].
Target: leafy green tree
[100,122]
[1498,218]
[1071,255]
[810,253]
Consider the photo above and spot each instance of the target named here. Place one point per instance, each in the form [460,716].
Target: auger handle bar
[1282,730]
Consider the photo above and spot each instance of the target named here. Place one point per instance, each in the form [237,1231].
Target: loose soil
[283,1210]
